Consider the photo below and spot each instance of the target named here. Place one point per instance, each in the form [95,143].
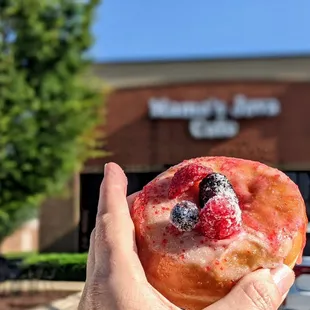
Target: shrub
[55,266]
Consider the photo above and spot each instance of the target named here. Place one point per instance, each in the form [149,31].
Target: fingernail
[283,277]
[104,168]
[116,174]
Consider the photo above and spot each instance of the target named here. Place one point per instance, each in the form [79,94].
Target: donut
[206,222]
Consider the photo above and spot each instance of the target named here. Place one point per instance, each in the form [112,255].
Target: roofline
[189,59]
[142,74]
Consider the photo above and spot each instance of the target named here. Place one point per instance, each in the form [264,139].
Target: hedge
[53,266]
[18,255]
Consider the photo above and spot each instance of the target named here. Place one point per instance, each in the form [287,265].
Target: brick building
[160,113]
[25,239]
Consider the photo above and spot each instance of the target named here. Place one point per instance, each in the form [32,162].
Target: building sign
[214,118]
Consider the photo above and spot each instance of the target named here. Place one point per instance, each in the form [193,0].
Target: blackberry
[184,215]
[215,184]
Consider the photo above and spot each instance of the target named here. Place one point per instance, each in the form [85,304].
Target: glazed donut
[206,222]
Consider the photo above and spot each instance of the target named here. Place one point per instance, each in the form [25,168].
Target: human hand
[116,279]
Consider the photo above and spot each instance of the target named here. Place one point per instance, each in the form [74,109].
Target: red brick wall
[134,139]
[24,239]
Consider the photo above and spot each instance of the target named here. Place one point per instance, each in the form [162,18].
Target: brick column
[59,221]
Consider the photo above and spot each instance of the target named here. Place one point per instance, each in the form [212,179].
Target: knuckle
[104,227]
[259,295]
[101,240]
[102,271]
[103,221]
[98,283]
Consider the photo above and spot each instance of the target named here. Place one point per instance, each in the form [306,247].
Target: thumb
[260,290]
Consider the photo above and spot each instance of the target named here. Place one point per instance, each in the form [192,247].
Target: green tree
[48,112]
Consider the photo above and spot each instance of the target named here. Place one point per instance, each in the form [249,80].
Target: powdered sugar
[184,215]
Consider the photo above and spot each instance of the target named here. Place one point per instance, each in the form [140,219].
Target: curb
[38,285]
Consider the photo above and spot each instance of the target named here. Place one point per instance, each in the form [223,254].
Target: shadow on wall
[65,243]
[59,219]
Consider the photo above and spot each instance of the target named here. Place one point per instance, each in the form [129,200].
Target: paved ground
[26,285]
[69,303]
[295,301]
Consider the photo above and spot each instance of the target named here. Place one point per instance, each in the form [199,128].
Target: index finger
[113,189]
[114,228]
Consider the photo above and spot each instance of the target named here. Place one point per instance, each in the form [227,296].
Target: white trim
[123,75]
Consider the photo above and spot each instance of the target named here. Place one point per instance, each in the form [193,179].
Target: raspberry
[185,178]
[184,215]
[215,184]
[220,218]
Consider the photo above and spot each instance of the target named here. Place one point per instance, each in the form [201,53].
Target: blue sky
[139,30]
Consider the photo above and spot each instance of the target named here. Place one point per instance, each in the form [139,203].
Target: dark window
[89,195]
[302,179]
[136,181]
